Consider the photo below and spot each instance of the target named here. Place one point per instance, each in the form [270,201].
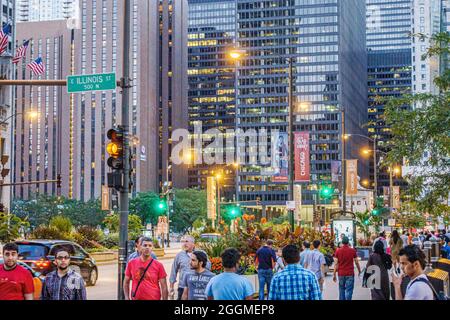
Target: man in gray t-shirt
[195,281]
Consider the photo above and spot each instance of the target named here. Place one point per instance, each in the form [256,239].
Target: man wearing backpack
[412,261]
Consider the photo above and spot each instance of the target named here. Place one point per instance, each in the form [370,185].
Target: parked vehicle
[40,254]
[38,278]
[210,236]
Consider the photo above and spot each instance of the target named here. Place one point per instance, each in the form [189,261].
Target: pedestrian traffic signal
[162,205]
[115,148]
[326,191]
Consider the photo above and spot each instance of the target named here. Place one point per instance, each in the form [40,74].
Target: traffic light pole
[291,143]
[123,194]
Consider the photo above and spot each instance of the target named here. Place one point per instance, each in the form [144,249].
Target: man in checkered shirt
[294,282]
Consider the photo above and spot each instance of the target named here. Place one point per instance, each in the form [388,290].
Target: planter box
[104,256]
[159,252]
[254,281]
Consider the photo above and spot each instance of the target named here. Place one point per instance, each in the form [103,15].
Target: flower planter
[254,281]
[159,252]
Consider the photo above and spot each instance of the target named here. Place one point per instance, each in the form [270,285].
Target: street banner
[336,170]
[280,157]
[396,197]
[352,177]
[386,196]
[211,198]
[301,156]
[297,201]
[105,198]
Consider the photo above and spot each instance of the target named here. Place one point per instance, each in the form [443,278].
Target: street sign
[91,82]
[290,205]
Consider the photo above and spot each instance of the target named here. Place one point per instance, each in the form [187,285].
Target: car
[40,256]
[38,278]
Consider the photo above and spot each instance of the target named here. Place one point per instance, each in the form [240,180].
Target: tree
[111,221]
[11,226]
[363,222]
[189,205]
[424,127]
[145,205]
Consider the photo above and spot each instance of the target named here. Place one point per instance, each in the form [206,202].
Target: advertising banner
[280,157]
[301,156]
[336,170]
[352,177]
[211,197]
[396,197]
[298,201]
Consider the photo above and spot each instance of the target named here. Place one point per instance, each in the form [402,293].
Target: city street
[106,287]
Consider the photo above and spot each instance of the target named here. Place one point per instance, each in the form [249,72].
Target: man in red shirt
[344,259]
[147,275]
[16,282]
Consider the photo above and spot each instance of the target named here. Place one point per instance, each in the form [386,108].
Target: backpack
[437,296]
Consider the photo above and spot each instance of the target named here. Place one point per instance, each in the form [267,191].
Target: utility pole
[291,143]
[375,181]
[124,192]
[344,165]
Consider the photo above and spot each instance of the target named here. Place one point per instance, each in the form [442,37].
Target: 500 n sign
[91,82]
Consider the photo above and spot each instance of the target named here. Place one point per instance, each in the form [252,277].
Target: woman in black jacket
[383,261]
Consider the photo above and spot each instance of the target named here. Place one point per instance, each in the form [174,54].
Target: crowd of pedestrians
[287,273]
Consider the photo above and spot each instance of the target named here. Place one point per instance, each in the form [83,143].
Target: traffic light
[366,221]
[326,191]
[115,148]
[376,211]
[162,205]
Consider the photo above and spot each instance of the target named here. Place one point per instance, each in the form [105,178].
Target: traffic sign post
[91,82]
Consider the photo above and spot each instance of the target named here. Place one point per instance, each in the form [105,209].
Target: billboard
[301,156]
[344,227]
[280,157]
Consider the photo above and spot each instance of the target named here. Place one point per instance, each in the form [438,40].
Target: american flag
[21,52]
[37,67]
[4,38]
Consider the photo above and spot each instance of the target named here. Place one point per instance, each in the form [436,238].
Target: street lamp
[31,114]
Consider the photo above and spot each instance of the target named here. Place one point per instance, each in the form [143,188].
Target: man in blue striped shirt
[294,282]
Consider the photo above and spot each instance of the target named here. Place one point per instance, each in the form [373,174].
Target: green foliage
[146,206]
[43,208]
[110,241]
[363,222]
[424,127]
[134,224]
[48,232]
[189,205]
[61,223]
[10,227]
[87,237]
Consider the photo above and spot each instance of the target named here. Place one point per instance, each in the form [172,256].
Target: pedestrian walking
[229,285]
[383,262]
[147,275]
[381,237]
[16,282]
[404,238]
[294,282]
[63,283]
[412,261]
[305,252]
[182,264]
[195,282]
[396,244]
[265,261]
[316,263]
[280,263]
[137,252]
[346,258]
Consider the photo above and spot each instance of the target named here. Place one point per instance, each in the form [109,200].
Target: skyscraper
[211,73]
[389,68]
[45,10]
[158,81]
[326,40]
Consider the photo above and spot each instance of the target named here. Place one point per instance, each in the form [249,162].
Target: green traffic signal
[162,205]
[375,211]
[326,192]
[366,221]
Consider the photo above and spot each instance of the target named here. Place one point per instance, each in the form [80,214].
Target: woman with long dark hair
[380,289]
[396,244]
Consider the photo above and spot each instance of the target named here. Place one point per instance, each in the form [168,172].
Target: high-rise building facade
[45,10]
[389,69]
[326,41]
[7,113]
[157,81]
[211,74]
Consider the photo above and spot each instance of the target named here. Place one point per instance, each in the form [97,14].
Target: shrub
[61,223]
[89,233]
[110,241]
[216,265]
[48,232]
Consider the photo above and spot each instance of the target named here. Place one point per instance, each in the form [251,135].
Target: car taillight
[42,264]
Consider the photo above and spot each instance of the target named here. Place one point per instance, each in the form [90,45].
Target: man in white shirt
[404,238]
[412,260]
